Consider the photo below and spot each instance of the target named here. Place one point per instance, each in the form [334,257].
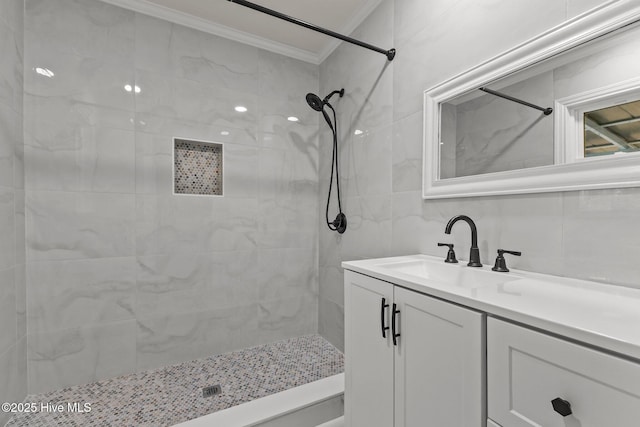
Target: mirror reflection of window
[612,130]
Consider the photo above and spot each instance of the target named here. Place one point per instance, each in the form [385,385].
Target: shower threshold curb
[271,407]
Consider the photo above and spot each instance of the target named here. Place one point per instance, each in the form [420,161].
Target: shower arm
[390,54]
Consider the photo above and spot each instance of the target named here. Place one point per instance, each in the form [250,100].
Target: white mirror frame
[566,174]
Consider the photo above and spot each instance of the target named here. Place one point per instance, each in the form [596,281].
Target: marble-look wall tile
[331,284]
[20,278]
[277,131]
[231,329]
[191,129]
[289,222]
[11,73]
[9,137]
[240,171]
[154,154]
[184,99]
[182,283]
[287,173]
[70,294]
[91,29]
[99,179]
[368,226]
[62,116]
[174,283]
[365,167]
[532,224]
[8,310]
[287,317]
[13,369]
[13,366]
[154,164]
[63,225]
[416,222]
[80,355]
[11,12]
[7,228]
[287,273]
[91,80]
[20,227]
[410,15]
[191,224]
[455,28]
[190,54]
[367,101]
[285,78]
[407,153]
[599,237]
[234,278]
[173,224]
[173,338]
[80,159]
[331,324]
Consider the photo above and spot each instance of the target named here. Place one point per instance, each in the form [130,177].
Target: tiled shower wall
[587,234]
[123,275]
[13,368]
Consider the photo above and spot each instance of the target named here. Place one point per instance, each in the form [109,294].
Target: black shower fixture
[340,223]
[317,104]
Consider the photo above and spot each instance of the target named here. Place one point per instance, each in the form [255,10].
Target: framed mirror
[559,112]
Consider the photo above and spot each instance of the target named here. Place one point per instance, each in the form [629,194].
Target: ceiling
[230,20]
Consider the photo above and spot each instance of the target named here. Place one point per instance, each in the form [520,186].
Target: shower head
[314,101]
[317,104]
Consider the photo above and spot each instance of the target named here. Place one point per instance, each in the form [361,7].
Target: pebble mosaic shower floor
[167,396]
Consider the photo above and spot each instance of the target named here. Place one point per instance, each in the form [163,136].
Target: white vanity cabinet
[479,348]
[433,375]
[527,370]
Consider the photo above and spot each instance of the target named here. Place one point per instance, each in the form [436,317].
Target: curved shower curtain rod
[390,54]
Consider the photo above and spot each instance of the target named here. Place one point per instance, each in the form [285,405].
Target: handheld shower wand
[340,223]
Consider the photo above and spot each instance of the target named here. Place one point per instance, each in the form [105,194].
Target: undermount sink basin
[455,274]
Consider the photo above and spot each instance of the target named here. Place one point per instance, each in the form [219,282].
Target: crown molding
[162,12]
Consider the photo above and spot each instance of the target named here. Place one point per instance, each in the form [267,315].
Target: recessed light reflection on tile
[224,133]
[44,72]
[134,88]
[293,119]
[241,109]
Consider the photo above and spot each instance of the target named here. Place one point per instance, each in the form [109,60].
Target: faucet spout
[474,253]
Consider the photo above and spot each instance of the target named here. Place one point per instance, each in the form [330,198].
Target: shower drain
[211,390]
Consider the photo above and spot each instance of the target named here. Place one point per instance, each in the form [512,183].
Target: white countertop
[605,316]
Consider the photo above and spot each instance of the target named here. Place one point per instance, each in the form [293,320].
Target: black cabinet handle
[383,306]
[561,406]
[394,335]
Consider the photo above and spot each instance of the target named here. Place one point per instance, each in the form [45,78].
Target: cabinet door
[368,356]
[439,363]
[529,370]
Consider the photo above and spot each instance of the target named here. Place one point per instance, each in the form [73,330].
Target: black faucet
[474,254]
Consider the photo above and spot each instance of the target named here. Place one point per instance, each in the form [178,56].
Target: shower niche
[197,167]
